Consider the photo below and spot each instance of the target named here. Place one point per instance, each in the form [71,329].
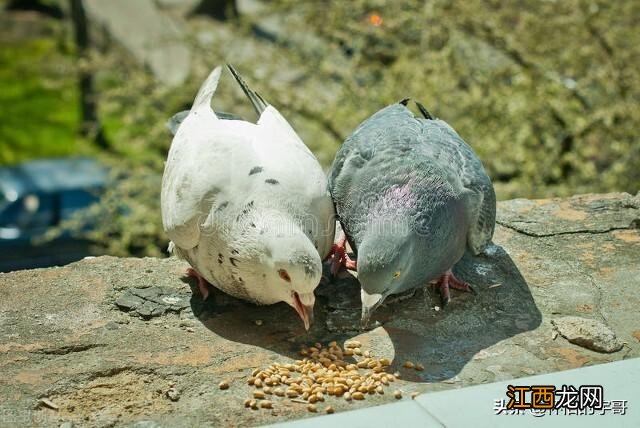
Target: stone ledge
[104,340]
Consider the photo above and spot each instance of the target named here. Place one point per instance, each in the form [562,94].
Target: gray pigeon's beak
[369,303]
[305,311]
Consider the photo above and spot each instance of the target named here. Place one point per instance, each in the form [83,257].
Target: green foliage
[39,100]
[545,91]
[127,220]
[134,125]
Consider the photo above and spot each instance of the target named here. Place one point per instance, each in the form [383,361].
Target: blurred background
[545,91]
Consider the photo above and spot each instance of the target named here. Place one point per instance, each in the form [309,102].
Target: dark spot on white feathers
[245,211]
[222,206]
[220,258]
[233,261]
[284,275]
[240,279]
[255,170]
[234,251]
[271,181]
[252,225]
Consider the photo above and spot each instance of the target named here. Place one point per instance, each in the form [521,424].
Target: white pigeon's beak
[369,303]
[303,304]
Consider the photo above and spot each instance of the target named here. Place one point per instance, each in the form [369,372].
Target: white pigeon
[247,204]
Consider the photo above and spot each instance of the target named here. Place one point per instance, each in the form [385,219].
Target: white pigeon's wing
[323,227]
[283,153]
[274,128]
[281,134]
[215,162]
[207,164]
[206,91]
[202,166]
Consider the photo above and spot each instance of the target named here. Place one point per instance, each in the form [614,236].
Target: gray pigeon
[246,204]
[411,196]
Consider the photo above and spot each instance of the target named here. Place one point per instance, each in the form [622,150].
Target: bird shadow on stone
[445,340]
[274,327]
[404,328]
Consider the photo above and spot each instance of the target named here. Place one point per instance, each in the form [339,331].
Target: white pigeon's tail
[208,88]
[258,103]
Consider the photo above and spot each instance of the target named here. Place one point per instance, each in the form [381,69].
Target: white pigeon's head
[289,267]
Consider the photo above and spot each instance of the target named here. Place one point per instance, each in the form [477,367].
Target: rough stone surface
[579,214]
[153,301]
[590,333]
[113,341]
[159,43]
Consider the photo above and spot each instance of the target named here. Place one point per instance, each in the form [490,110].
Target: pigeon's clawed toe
[339,257]
[203,285]
[447,281]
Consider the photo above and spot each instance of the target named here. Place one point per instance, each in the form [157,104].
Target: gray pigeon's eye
[284,275]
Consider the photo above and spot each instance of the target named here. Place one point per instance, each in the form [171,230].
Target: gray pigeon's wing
[398,132]
[361,171]
[360,146]
[176,120]
[449,149]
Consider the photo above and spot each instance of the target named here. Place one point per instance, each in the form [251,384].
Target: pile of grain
[323,372]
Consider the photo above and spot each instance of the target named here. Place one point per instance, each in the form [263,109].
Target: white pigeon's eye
[396,274]
[284,275]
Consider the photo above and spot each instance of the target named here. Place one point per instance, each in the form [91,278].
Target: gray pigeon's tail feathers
[257,102]
[207,90]
[176,120]
[424,111]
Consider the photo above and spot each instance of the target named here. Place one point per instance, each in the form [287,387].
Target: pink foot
[203,285]
[339,256]
[446,281]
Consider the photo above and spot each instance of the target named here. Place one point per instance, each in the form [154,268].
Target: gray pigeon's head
[403,248]
[386,259]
